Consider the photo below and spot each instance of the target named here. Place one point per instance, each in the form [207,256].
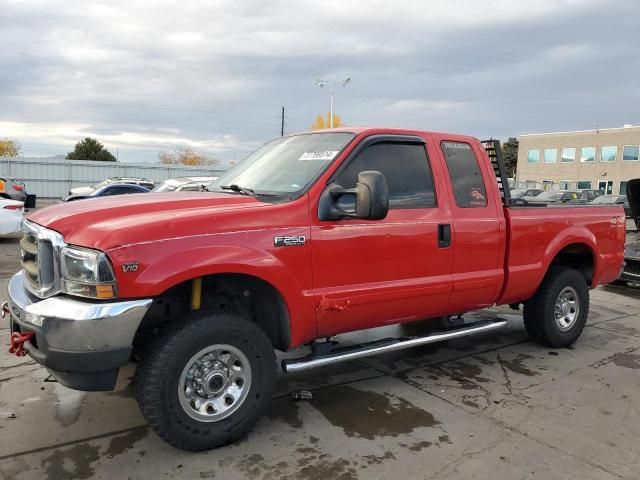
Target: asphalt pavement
[492,406]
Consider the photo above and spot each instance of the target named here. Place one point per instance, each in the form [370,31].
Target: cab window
[404,165]
[464,171]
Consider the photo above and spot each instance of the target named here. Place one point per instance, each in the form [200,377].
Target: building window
[565,184]
[550,155]
[631,153]
[568,155]
[584,184]
[623,188]
[608,153]
[533,156]
[547,185]
[588,154]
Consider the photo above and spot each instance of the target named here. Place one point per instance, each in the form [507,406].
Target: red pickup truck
[312,235]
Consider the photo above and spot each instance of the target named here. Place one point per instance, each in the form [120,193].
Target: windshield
[286,165]
[604,199]
[549,196]
[100,184]
[609,199]
[518,192]
[167,186]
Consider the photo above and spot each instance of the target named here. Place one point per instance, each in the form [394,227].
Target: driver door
[368,273]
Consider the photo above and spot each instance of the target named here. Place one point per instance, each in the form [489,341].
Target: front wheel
[206,380]
[557,313]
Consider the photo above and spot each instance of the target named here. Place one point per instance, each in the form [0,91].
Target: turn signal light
[101,291]
[104,291]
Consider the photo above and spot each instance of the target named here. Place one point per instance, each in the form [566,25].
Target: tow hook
[5,309]
[17,343]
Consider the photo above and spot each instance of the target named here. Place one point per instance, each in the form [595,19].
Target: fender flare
[168,271]
[573,235]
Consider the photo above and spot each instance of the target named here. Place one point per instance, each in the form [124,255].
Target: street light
[340,83]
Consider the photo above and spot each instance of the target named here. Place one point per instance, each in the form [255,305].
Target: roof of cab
[383,130]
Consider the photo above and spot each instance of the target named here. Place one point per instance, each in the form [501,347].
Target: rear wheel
[557,313]
[205,381]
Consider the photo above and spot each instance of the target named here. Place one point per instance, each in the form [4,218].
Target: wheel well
[578,256]
[241,294]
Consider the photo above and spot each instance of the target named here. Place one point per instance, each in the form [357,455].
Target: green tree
[90,149]
[510,155]
[10,148]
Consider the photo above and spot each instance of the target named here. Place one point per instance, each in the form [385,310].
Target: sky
[145,77]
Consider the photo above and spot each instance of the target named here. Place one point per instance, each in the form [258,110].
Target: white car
[184,184]
[11,212]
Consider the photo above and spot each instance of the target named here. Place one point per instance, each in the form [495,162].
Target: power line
[133,123]
[151,107]
[146,95]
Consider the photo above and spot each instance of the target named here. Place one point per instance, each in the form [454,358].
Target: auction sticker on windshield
[320,155]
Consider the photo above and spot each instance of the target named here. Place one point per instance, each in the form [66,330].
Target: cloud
[160,139]
[142,75]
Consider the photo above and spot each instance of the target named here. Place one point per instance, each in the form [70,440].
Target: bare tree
[186,156]
[10,148]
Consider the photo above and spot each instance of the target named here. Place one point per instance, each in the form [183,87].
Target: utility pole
[282,123]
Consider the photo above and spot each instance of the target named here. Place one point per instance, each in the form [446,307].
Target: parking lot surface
[494,406]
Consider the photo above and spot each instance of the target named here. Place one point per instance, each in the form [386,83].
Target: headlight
[87,273]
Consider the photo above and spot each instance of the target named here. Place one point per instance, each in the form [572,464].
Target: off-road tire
[539,311]
[159,372]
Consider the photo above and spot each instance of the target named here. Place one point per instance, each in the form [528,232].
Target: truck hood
[111,222]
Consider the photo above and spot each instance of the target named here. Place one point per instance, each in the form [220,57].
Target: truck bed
[536,234]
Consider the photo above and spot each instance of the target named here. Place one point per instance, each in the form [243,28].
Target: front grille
[29,259]
[39,257]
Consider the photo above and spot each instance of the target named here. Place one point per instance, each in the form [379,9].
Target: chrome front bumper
[82,343]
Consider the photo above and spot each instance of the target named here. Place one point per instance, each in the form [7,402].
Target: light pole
[340,83]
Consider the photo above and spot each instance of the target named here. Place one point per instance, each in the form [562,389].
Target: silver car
[180,184]
[13,189]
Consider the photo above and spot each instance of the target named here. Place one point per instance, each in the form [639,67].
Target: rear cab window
[464,171]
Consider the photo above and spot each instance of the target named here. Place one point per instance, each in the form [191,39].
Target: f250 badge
[617,220]
[289,241]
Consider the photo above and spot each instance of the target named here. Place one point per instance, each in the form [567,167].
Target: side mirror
[371,199]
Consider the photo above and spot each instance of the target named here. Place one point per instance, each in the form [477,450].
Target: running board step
[342,354]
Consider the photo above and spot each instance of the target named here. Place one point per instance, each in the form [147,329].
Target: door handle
[444,235]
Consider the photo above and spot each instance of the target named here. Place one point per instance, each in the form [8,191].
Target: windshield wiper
[248,191]
[237,188]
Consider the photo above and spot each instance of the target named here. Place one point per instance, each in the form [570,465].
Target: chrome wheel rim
[567,308]
[214,383]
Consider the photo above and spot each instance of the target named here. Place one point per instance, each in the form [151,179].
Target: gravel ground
[494,406]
